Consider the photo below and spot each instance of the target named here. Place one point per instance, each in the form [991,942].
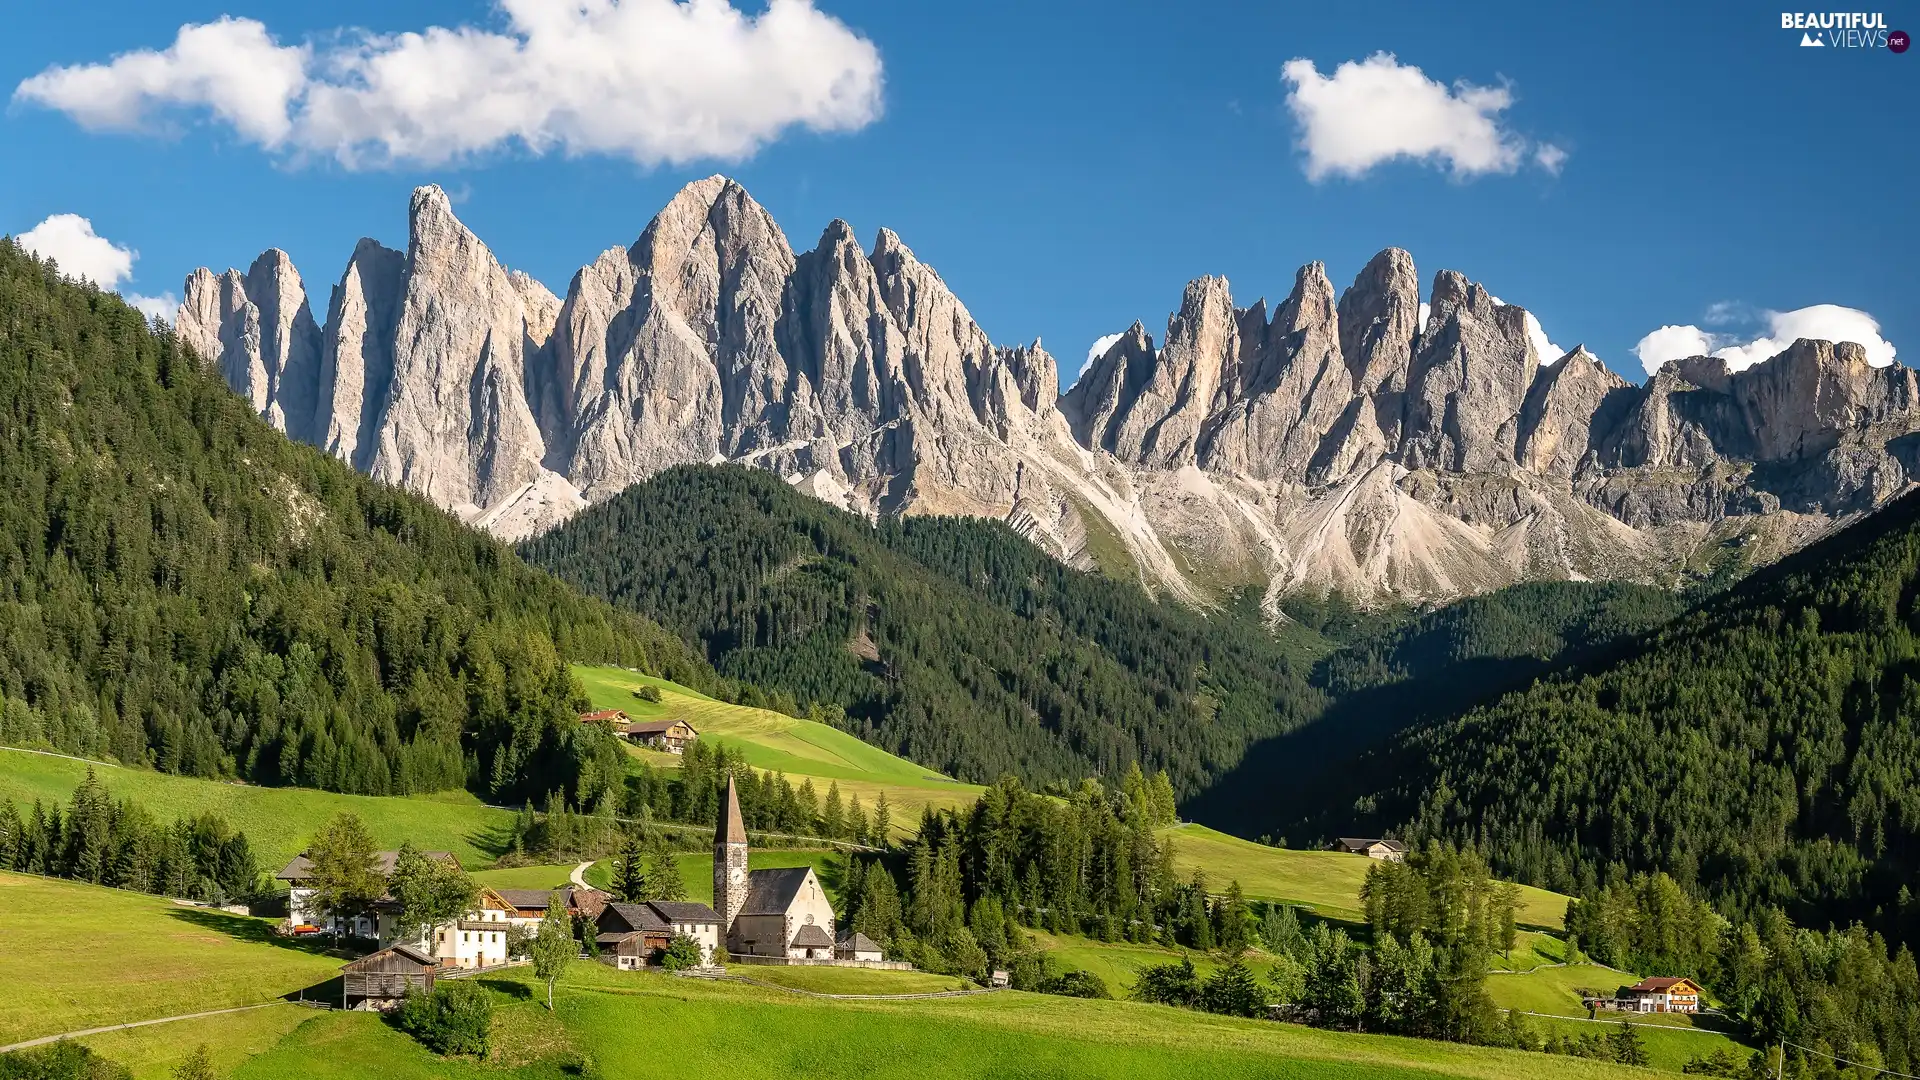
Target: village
[779,916]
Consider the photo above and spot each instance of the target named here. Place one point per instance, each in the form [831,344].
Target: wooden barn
[379,980]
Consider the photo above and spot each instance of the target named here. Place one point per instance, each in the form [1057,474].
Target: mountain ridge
[1338,443]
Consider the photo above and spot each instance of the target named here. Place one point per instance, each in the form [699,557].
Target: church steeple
[729,859]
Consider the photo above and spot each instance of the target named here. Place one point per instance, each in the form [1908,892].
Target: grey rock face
[1327,442]
[262,331]
[356,353]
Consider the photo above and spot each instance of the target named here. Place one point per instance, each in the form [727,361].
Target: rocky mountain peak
[1326,441]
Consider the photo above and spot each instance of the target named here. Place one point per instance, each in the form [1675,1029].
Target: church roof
[812,936]
[771,892]
[731,829]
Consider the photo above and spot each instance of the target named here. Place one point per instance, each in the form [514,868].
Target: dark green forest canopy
[183,587]
[951,641]
[1764,748]
[1307,785]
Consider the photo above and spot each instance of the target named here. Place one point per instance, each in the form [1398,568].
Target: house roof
[812,936]
[1359,843]
[602,714]
[680,911]
[530,899]
[858,942]
[632,917]
[1658,983]
[657,727]
[301,868]
[771,892]
[380,961]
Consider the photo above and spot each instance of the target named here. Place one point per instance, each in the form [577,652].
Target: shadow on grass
[256,931]
[519,991]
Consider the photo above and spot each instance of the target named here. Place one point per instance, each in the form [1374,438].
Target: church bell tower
[729,861]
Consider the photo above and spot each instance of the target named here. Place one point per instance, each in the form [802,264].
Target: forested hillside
[1764,748]
[183,587]
[950,641]
[1306,785]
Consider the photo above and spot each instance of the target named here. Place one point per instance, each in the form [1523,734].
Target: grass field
[278,821]
[78,956]
[1672,1038]
[1326,881]
[774,741]
[1668,1048]
[153,1052]
[827,980]
[651,1025]
[1118,964]
[526,877]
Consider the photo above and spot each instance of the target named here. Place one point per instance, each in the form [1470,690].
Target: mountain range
[1357,440]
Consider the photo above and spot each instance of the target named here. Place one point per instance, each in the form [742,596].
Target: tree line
[118,843]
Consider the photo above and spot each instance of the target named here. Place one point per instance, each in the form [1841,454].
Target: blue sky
[1066,167]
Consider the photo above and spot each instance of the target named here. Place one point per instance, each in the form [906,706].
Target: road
[579,875]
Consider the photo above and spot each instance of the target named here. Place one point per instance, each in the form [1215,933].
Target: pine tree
[629,871]
[833,821]
[881,835]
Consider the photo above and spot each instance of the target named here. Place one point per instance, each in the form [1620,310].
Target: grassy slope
[79,956]
[278,821]
[1119,964]
[773,741]
[1671,1039]
[1327,881]
[826,980]
[654,1026]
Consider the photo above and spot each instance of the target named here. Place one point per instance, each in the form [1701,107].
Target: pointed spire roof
[732,829]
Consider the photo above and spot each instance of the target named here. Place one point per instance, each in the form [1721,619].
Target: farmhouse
[1384,850]
[1660,995]
[612,716]
[776,913]
[530,905]
[476,940]
[632,935]
[380,979]
[375,924]
[673,736]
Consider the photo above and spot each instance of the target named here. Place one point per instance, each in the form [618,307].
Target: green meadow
[278,821]
[652,1025]
[76,956]
[777,742]
[1672,1039]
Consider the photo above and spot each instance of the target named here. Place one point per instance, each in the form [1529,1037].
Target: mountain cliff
[1332,442]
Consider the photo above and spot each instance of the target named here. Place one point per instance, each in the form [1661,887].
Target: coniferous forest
[950,641]
[1763,749]
[183,587]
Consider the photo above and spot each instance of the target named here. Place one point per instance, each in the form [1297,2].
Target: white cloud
[1671,343]
[1378,109]
[1826,322]
[1543,346]
[1101,345]
[69,240]
[163,307]
[231,67]
[1823,322]
[657,81]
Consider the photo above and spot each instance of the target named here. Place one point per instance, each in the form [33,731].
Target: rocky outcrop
[1330,441]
